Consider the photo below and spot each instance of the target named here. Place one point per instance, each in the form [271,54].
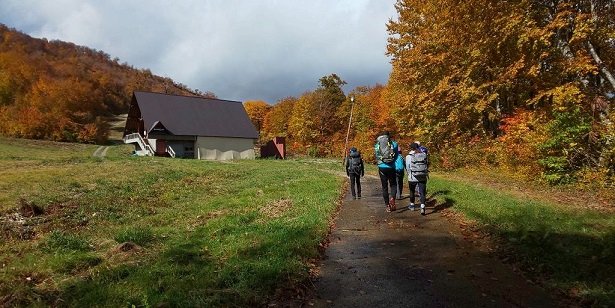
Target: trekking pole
[348,130]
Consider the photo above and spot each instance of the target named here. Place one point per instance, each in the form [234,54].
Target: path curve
[101,151]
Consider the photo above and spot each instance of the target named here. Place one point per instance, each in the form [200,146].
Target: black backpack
[384,150]
[354,163]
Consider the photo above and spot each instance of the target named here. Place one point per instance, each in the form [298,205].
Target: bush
[567,149]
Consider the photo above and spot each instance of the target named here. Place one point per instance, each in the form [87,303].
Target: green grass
[206,233]
[573,248]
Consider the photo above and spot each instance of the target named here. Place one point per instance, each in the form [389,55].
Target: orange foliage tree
[276,121]
[257,111]
[470,71]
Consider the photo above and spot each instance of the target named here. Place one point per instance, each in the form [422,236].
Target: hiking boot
[422,209]
[388,209]
[411,206]
[392,204]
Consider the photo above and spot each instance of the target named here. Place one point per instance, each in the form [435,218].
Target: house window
[189,150]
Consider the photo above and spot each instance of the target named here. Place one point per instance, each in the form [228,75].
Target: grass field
[145,231]
[571,247]
[119,231]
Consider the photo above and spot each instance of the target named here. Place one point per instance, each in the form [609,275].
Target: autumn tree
[460,69]
[257,111]
[277,119]
[304,126]
[327,98]
[371,114]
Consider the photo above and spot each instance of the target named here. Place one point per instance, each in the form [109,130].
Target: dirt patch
[29,209]
[276,208]
[29,219]
[126,247]
[123,253]
[15,226]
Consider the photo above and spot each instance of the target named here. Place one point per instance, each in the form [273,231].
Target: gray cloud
[238,49]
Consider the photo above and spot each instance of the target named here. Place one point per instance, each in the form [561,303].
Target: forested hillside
[526,86]
[60,91]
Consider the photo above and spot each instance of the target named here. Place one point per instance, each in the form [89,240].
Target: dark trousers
[388,179]
[422,186]
[400,183]
[355,179]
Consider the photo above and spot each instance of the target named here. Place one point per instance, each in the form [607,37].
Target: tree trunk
[601,65]
[592,50]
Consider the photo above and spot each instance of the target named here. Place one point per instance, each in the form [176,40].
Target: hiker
[422,147]
[355,170]
[386,151]
[417,166]
[400,166]
[426,151]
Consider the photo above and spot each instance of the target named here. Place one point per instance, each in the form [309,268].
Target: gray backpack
[419,165]
[384,150]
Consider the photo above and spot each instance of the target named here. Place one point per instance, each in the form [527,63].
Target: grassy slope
[572,246]
[208,233]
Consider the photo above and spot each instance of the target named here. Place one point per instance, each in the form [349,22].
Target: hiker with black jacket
[386,151]
[355,170]
[417,164]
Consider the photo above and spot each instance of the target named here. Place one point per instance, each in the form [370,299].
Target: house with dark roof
[189,127]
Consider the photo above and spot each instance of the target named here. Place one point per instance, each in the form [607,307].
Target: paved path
[403,259]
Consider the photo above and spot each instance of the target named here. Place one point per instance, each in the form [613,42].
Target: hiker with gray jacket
[417,166]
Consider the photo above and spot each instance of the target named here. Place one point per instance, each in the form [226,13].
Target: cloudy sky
[238,49]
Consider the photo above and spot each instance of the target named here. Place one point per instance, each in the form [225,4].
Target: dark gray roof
[195,116]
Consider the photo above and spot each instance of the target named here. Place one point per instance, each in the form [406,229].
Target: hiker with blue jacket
[400,166]
[355,170]
[417,166]
[386,152]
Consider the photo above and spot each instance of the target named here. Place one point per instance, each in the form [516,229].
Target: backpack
[384,149]
[419,165]
[354,163]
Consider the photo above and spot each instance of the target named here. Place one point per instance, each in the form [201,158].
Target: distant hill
[60,91]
